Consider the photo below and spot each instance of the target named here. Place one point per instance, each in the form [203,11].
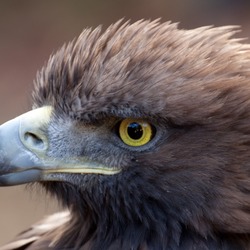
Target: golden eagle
[143,133]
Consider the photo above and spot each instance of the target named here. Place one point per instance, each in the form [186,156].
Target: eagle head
[142,131]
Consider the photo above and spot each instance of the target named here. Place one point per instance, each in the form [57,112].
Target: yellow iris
[135,132]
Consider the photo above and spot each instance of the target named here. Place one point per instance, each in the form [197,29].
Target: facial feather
[189,187]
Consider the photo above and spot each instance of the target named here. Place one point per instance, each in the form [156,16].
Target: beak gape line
[24,144]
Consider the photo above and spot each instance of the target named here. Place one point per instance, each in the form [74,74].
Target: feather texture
[189,188]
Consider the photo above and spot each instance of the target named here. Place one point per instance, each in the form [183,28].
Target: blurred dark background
[31,30]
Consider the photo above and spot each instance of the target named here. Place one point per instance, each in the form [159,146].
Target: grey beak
[23,146]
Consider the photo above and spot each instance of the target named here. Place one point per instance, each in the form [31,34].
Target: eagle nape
[142,133]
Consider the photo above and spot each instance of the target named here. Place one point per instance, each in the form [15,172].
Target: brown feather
[195,83]
[42,229]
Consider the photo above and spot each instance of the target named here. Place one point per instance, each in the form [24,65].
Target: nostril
[33,140]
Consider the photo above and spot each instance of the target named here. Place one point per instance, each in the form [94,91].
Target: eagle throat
[105,214]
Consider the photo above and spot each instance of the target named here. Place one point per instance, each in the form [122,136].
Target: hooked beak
[22,141]
[24,145]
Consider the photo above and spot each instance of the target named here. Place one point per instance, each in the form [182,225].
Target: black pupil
[135,130]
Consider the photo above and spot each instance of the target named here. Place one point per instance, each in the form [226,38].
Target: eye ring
[135,132]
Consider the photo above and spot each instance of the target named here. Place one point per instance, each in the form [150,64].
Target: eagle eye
[135,132]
